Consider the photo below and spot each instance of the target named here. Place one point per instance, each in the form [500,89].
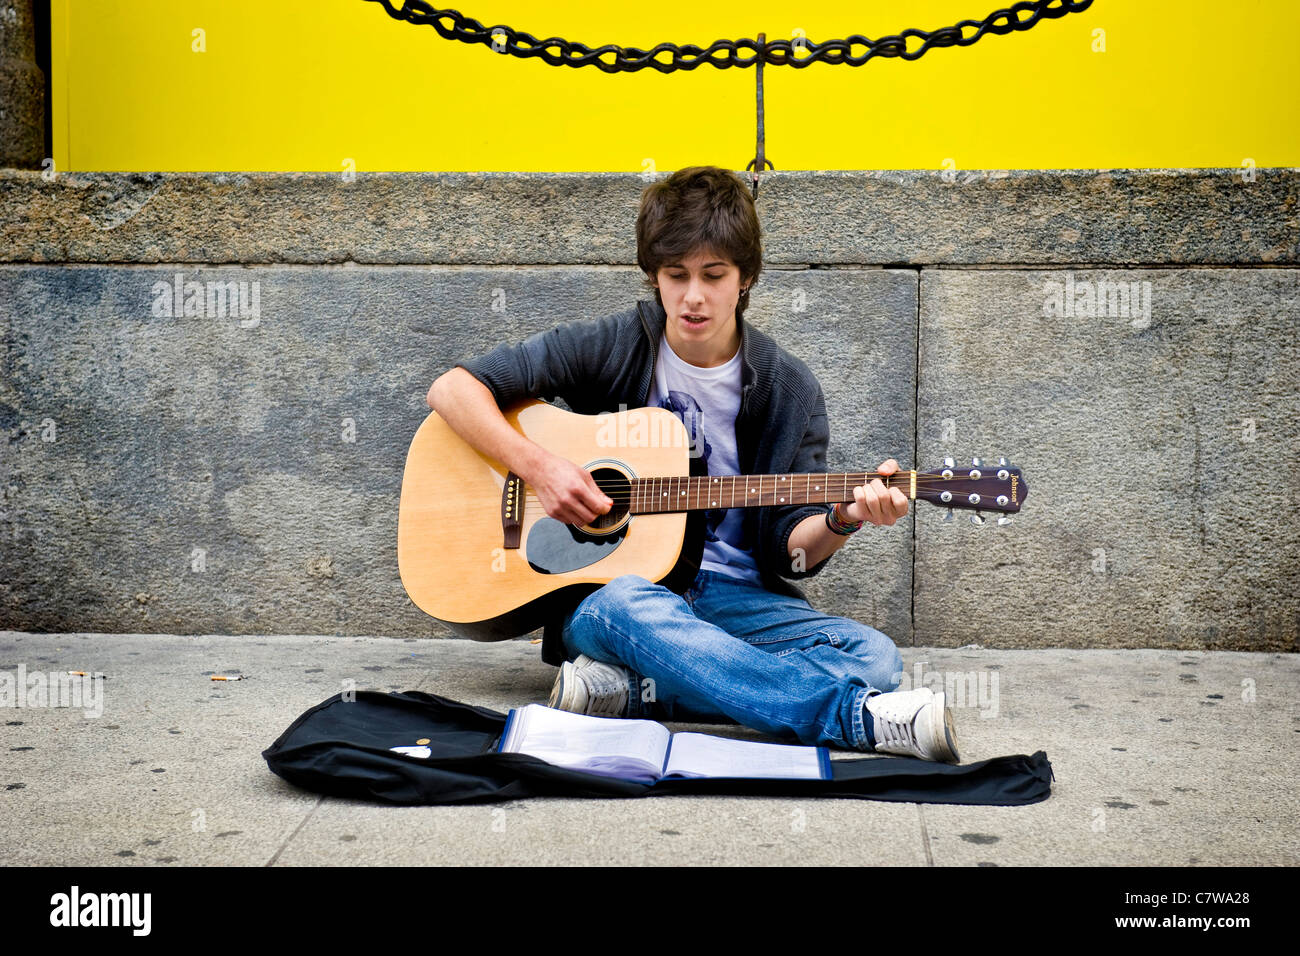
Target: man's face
[700,295]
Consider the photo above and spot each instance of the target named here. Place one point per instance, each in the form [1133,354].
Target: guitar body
[453,550]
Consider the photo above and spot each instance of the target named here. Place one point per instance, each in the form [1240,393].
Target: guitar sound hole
[615,484]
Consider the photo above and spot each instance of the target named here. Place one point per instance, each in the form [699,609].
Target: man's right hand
[566,491]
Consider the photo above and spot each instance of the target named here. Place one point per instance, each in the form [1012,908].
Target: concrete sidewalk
[1161,758]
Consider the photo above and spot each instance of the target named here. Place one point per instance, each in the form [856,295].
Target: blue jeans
[730,651]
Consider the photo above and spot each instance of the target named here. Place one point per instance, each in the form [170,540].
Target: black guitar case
[342,747]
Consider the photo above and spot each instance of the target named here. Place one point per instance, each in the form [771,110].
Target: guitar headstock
[977,486]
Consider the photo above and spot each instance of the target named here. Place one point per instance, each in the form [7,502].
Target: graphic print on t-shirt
[707,401]
[685,407]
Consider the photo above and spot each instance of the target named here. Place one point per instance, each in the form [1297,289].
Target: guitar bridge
[512,510]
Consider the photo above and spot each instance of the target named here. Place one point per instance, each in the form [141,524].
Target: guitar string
[956,502]
[898,478]
[768,489]
[928,482]
[620,499]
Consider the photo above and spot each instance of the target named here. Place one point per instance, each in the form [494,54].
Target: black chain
[723,53]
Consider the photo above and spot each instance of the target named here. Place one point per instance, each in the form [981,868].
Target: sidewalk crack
[925,835]
[302,823]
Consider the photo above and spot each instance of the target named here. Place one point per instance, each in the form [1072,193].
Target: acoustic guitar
[477,551]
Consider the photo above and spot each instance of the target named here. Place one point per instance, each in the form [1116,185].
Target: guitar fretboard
[658,495]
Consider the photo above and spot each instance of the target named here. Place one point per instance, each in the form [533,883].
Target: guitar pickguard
[554,547]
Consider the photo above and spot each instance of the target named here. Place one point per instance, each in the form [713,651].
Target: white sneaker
[589,686]
[914,723]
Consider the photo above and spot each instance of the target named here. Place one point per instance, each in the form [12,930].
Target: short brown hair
[700,207]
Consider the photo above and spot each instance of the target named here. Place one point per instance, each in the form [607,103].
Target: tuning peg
[1004,520]
[948,516]
[977,518]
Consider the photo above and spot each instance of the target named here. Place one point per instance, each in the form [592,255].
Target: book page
[703,755]
[629,749]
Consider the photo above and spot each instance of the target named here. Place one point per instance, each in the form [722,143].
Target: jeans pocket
[816,639]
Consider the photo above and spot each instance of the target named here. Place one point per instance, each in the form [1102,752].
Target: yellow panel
[315,85]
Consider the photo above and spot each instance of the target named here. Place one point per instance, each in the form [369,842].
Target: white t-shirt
[707,401]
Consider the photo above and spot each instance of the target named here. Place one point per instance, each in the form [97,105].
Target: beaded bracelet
[839,526]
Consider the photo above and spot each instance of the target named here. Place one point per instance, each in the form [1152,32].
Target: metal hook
[759,160]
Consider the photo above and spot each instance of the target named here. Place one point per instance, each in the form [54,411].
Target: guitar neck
[697,493]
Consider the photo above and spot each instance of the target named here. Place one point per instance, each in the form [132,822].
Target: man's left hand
[874,502]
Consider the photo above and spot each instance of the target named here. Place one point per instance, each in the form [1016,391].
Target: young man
[741,644]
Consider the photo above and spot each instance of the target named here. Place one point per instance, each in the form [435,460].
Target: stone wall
[240,473]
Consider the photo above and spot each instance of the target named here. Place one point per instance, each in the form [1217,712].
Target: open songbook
[645,751]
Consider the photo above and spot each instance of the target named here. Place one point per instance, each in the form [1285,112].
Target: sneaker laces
[606,688]
[895,720]
[896,733]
